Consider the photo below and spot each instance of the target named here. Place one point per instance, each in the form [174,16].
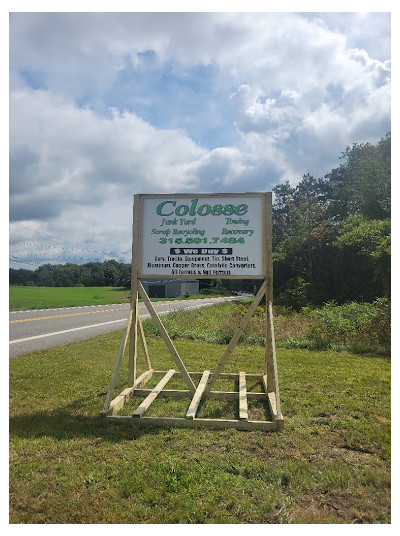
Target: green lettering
[161,206]
[182,210]
[217,210]
[241,209]
[204,210]
[228,210]
[193,206]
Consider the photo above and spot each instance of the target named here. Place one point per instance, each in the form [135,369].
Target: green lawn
[26,298]
[331,464]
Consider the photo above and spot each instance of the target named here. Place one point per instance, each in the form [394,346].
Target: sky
[106,105]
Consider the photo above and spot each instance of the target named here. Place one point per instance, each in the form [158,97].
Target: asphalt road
[44,328]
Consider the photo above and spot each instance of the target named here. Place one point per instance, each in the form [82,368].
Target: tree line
[331,238]
[109,273]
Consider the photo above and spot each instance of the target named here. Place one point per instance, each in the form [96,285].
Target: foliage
[362,184]
[357,327]
[332,235]
[92,274]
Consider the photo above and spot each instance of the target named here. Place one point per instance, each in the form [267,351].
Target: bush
[356,325]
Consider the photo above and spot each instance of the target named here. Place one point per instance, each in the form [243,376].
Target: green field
[331,464]
[26,298]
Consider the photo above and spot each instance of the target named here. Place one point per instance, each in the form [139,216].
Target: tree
[362,184]
[370,241]
[303,212]
[332,236]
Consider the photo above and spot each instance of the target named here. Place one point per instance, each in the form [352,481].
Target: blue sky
[106,105]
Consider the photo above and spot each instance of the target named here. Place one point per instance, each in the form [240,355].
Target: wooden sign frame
[199,385]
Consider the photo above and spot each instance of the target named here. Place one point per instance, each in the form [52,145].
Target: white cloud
[78,172]
[290,90]
[260,114]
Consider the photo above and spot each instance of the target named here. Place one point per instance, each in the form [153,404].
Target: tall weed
[357,327]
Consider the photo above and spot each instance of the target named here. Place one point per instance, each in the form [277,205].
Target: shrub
[352,326]
[358,327]
[355,325]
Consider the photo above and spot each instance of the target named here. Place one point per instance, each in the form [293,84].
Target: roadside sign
[199,236]
[202,236]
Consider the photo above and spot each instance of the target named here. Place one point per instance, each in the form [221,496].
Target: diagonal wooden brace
[235,339]
[118,363]
[176,357]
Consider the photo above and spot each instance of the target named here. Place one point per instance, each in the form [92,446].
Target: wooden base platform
[202,379]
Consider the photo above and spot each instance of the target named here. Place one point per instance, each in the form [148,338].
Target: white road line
[69,330]
[65,331]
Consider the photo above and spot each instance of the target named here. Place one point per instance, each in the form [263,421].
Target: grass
[331,464]
[27,298]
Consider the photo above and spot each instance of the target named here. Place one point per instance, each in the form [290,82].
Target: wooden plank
[176,357]
[243,408]
[124,397]
[185,276]
[223,375]
[117,364]
[139,201]
[194,404]
[176,393]
[266,426]
[268,244]
[201,195]
[278,418]
[153,395]
[220,395]
[274,371]
[271,399]
[269,365]
[272,405]
[239,331]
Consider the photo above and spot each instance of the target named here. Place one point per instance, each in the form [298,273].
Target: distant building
[172,288]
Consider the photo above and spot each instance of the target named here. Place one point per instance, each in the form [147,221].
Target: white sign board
[202,236]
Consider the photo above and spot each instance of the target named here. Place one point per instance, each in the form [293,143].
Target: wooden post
[272,378]
[268,370]
[134,295]
[133,338]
